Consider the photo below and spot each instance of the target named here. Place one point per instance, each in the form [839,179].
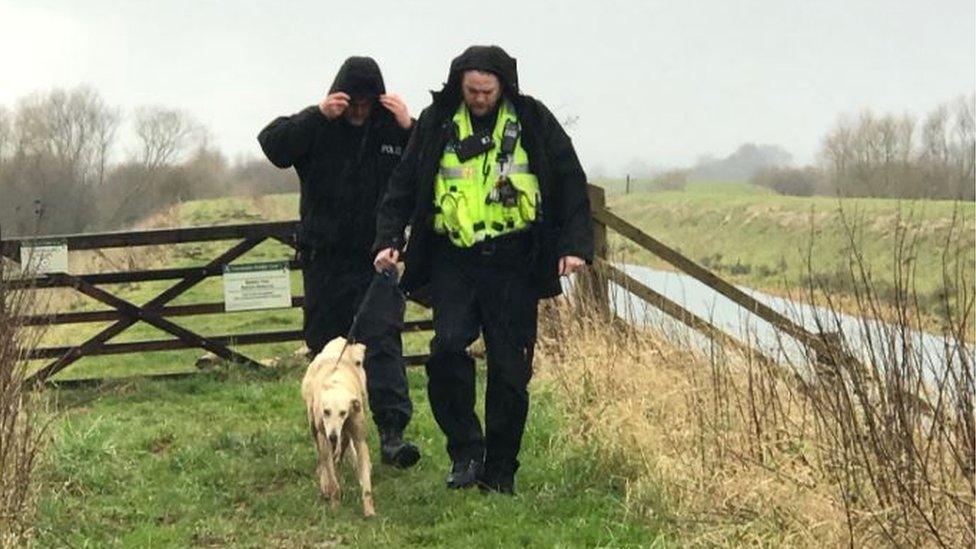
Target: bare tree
[836,152]
[964,146]
[894,137]
[867,146]
[75,128]
[805,181]
[6,134]
[934,156]
[893,156]
[165,134]
[947,155]
[104,139]
[58,174]
[62,143]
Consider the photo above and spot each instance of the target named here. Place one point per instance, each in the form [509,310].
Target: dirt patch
[161,445]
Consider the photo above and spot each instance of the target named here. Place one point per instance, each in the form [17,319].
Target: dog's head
[335,403]
[337,349]
[337,406]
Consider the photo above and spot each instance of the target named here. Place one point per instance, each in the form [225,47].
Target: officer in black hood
[344,150]
[466,153]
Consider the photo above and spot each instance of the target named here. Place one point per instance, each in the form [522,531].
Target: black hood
[491,59]
[359,77]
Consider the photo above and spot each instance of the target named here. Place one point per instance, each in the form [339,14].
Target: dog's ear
[356,405]
[359,352]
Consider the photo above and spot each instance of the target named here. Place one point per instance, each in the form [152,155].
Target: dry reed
[872,445]
[21,427]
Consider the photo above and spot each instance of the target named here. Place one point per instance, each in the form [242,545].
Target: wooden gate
[157,311]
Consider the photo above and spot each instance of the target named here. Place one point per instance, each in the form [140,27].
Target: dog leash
[389,273]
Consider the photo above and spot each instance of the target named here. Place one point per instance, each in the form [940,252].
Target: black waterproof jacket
[343,170]
[565,227]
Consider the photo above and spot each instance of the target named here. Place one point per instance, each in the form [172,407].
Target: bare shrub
[806,181]
[896,415]
[672,180]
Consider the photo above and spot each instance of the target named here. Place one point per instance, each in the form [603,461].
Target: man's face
[481,91]
[358,111]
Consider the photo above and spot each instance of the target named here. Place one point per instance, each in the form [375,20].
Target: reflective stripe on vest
[461,189]
[459,173]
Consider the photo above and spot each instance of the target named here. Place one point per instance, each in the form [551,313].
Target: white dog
[334,390]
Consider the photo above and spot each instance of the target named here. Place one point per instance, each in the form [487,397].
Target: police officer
[344,150]
[497,206]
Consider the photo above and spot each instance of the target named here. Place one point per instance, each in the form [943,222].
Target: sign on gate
[44,255]
[257,286]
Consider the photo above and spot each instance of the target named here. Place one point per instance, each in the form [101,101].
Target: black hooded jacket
[343,170]
[565,227]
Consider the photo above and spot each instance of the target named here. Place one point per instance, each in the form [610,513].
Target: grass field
[224,458]
[761,239]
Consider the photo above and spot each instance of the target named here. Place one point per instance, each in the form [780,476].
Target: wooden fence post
[592,282]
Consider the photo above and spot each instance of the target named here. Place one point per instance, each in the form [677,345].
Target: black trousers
[334,288]
[487,289]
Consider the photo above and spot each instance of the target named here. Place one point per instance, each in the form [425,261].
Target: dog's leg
[343,448]
[328,482]
[320,454]
[349,450]
[364,467]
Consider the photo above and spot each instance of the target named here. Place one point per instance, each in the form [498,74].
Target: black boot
[497,479]
[395,451]
[464,474]
[498,485]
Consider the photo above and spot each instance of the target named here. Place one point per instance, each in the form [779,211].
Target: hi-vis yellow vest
[461,189]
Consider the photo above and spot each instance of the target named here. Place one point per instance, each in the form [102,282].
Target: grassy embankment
[763,240]
[224,458]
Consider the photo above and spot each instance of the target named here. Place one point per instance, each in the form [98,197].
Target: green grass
[224,458]
[761,239]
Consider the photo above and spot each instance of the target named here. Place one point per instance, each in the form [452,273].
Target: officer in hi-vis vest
[497,206]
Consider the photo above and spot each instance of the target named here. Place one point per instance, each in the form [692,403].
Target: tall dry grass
[872,445]
[681,429]
[21,426]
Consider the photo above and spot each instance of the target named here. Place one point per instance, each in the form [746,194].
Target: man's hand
[334,104]
[385,259]
[569,264]
[394,103]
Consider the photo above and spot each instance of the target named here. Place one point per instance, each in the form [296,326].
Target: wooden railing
[819,344]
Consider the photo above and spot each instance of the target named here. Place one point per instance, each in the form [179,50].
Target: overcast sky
[663,81]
